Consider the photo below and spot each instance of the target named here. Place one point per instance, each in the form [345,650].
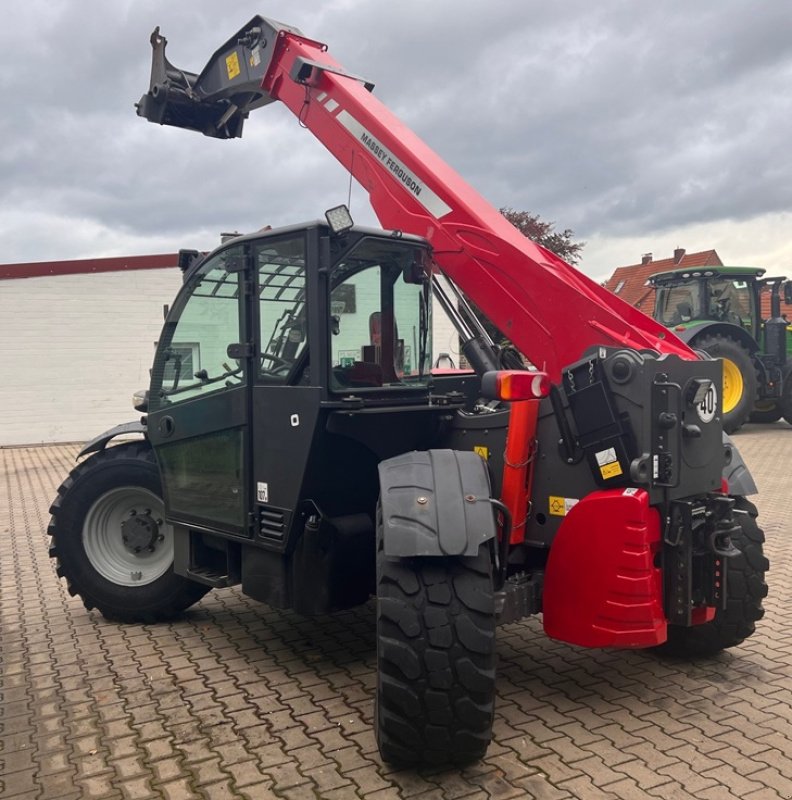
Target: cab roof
[706,272]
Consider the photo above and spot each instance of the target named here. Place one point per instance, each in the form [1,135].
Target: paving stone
[237,699]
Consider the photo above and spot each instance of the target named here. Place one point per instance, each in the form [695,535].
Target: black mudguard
[100,442]
[435,503]
[736,473]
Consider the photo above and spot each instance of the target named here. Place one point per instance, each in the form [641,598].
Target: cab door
[199,401]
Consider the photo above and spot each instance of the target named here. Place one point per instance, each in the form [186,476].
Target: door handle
[166,427]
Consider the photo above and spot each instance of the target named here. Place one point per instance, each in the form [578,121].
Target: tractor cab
[688,298]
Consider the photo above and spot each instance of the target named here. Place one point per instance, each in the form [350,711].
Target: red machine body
[602,586]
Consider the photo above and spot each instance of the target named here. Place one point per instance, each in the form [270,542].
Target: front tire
[766,412]
[435,658]
[111,542]
[786,398]
[746,588]
[738,393]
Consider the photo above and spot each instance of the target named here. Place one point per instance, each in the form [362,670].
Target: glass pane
[192,359]
[380,319]
[203,477]
[730,301]
[282,309]
[355,310]
[680,303]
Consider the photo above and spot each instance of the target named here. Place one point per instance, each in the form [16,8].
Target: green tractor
[718,310]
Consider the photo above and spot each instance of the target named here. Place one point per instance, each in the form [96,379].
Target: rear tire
[111,542]
[746,588]
[435,657]
[738,393]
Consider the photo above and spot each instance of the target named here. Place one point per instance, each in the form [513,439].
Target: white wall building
[77,339]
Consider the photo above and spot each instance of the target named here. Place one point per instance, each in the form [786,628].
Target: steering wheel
[279,366]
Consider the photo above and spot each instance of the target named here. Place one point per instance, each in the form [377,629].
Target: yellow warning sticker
[557,508]
[560,506]
[481,450]
[611,470]
[232,65]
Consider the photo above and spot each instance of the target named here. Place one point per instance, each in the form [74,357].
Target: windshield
[192,359]
[380,317]
[718,299]
[678,304]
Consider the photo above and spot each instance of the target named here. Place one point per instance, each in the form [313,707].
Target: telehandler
[295,442]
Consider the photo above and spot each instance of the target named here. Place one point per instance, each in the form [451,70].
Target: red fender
[602,587]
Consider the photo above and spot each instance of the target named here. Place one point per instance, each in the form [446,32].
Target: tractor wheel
[111,542]
[435,658]
[739,378]
[766,412]
[746,588]
[785,402]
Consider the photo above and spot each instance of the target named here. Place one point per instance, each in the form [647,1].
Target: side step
[209,577]
[205,558]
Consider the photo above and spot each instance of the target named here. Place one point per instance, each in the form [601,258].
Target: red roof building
[630,282]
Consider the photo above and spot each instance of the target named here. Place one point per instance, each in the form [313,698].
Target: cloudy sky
[641,126]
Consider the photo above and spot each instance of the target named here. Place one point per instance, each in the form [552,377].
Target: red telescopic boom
[547,308]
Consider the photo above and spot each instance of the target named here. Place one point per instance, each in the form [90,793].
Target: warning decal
[608,463]
[232,65]
[611,470]
[482,451]
[561,506]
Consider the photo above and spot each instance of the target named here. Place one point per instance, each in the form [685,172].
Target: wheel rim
[733,385]
[126,538]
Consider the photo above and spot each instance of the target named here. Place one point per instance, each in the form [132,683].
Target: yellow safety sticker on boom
[232,65]
[611,470]
[481,450]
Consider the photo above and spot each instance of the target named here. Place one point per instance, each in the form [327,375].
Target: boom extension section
[549,310]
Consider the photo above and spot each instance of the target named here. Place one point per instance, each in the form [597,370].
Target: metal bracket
[307,72]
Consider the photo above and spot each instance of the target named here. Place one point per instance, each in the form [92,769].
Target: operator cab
[290,363]
[349,313]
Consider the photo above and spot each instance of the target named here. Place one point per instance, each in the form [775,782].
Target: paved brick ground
[238,700]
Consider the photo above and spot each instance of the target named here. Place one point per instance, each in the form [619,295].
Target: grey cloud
[611,118]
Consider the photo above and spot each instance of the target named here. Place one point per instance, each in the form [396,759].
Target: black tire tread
[720,346]
[766,416]
[785,403]
[179,593]
[436,658]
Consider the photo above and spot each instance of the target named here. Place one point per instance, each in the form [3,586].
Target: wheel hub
[140,532]
[733,385]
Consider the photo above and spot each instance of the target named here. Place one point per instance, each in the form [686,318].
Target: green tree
[544,233]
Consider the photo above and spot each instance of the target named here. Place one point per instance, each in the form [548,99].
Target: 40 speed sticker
[708,406]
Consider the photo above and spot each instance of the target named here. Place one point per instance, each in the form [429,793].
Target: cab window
[192,358]
[283,320]
[380,318]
